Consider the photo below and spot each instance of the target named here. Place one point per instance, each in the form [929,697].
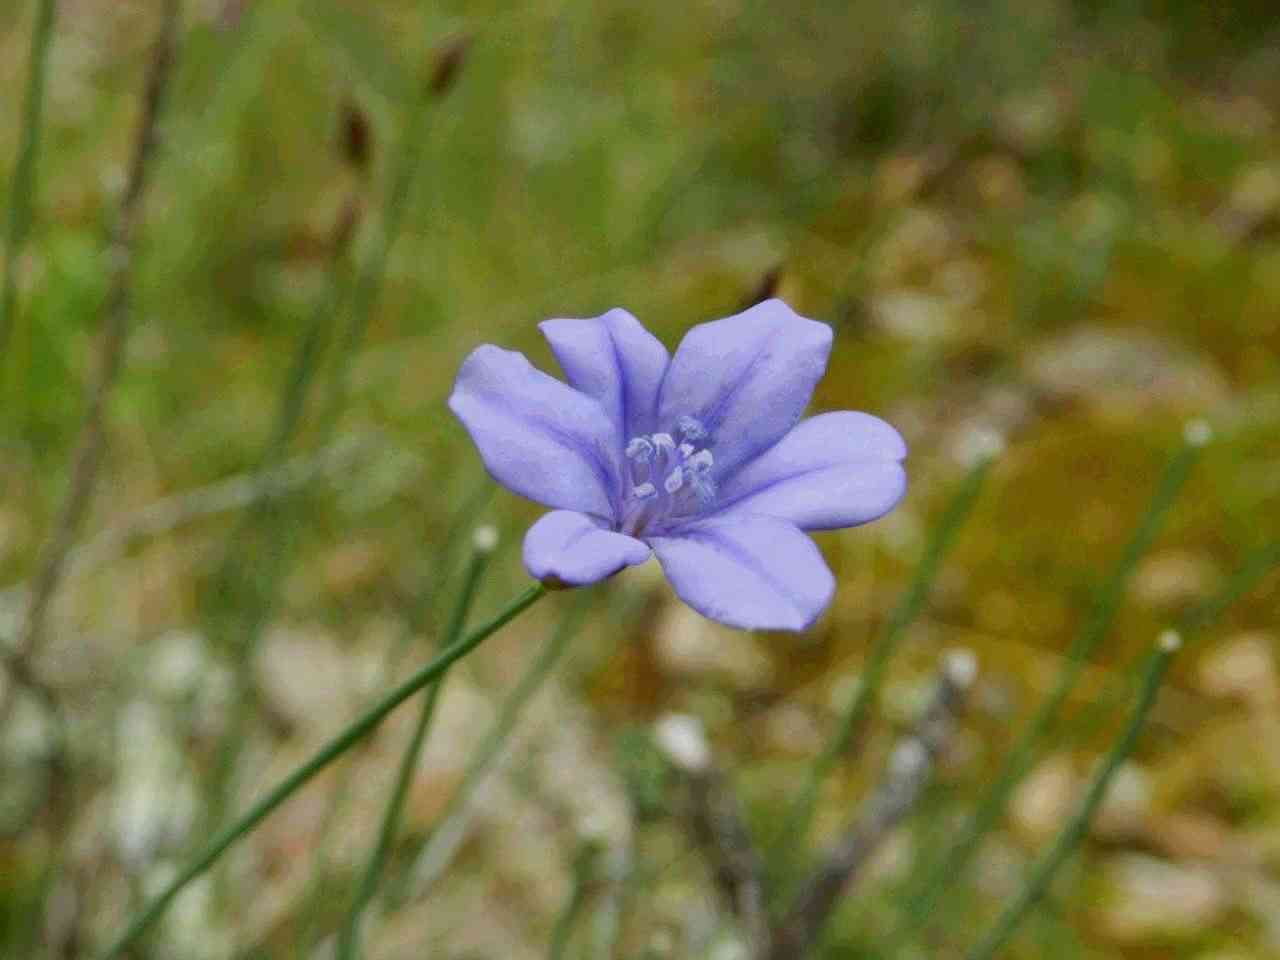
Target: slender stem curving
[436,850]
[115,317]
[1191,625]
[583,871]
[335,748]
[992,804]
[349,939]
[1072,833]
[22,184]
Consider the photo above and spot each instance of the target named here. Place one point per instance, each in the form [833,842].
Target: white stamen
[702,460]
[703,486]
[639,449]
[682,465]
[644,491]
[690,428]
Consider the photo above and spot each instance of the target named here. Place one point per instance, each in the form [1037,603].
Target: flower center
[670,477]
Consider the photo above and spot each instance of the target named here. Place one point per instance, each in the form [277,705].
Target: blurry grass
[211,851]
[991,807]
[1073,831]
[22,181]
[349,938]
[664,158]
[789,840]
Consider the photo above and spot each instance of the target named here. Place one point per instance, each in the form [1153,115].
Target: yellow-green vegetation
[1052,221]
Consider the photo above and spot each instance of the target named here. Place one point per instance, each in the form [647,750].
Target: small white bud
[961,667]
[485,539]
[1170,641]
[1197,433]
[908,759]
[593,827]
[681,737]
[979,445]
[661,943]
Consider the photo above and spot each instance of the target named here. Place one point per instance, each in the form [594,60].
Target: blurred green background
[1054,220]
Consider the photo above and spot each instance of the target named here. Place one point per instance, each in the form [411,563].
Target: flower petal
[747,378]
[756,573]
[537,436]
[615,360]
[833,470]
[576,550]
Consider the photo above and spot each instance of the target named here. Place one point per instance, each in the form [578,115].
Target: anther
[690,429]
[663,443]
[700,461]
[639,449]
[644,491]
[674,481]
[704,488]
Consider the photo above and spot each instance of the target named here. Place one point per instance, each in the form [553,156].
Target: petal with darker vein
[755,573]
[536,435]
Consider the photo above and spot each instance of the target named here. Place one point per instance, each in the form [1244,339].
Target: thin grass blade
[1073,832]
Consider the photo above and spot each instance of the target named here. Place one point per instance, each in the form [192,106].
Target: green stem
[609,919]
[800,813]
[359,729]
[22,186]
[1258,564]
[259,545]
[349,940]
[1072,833]
[416,616]
[439,843]
[307,361]
[368,286]
[1096,627]
[583,868]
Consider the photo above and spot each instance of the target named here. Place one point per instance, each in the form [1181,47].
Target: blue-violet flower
[700,458]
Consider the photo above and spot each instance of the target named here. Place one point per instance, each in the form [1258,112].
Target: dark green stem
[992,804]
[335,748]
[1072,833]
[22,184]
[417,614]
[349,940]
[583,868]
[508,715]
[1256,566]
[368,285]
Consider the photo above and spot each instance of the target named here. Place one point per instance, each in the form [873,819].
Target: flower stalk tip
[1197,433]
[485,539]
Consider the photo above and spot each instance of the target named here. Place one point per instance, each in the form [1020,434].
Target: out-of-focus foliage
[1056,220]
